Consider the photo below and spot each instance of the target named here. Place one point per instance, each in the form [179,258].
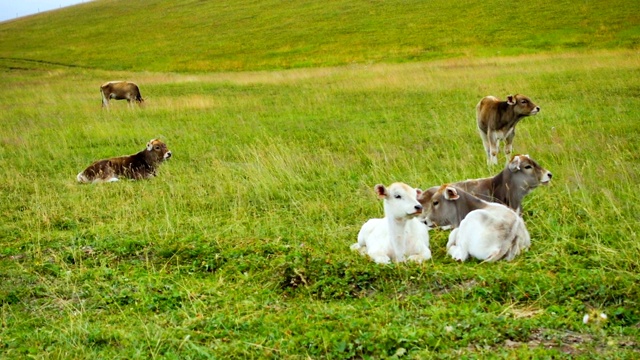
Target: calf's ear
[514,164]
[381,191]
[418,192]
[150,144]
[511,100]
[451,193]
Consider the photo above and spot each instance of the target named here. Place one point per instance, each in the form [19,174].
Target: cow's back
[487,112]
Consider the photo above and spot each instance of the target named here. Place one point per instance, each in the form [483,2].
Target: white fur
[400,235]
[489,234]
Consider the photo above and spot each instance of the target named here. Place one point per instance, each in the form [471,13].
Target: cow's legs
[105,100]
[485,144]
[493,150]
[508,144]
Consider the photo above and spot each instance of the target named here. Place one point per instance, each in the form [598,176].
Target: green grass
[201,36]
[240,247]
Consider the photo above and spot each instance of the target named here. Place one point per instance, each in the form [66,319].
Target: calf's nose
[418,207]
[550,175]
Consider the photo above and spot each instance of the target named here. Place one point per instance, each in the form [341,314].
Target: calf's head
[439,206]
[400,200]
[526,173]
[522,105]
[157,151]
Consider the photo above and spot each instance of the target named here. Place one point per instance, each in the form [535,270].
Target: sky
[12,9]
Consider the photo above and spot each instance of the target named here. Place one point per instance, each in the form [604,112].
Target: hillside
[197,36]
[281,118]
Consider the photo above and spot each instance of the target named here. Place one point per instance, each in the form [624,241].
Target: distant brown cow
[497,121]
[120,90]
[521,175]
[138,166]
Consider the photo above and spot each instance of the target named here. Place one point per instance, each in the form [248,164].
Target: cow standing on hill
[120,90]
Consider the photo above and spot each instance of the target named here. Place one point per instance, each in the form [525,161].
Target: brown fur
[120,90]
[142,165]
[455,211]
[497,120]
[521,175]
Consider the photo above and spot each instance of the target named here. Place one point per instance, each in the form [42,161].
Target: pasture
[240,246]
[281,118]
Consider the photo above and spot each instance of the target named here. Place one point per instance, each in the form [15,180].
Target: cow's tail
[509,246]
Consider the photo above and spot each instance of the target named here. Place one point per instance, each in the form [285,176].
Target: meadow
[240,247]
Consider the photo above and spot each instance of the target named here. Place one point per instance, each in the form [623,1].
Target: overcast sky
[11,9]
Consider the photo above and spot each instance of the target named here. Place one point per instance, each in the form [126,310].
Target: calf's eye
[398,197]
[435,203]
[528,167]
[157,147]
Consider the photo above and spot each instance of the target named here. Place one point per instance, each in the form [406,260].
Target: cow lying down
[484,230]
[521,175]
[400,235]
[142,165]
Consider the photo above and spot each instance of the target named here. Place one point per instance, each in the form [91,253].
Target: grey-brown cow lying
[484,230]
[521,175]
[497,121]
[120,90]
[142,165]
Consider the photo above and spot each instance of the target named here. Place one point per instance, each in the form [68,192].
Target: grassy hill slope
[240,247]
[191,35]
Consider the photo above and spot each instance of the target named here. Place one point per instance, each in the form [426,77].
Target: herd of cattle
[484,214]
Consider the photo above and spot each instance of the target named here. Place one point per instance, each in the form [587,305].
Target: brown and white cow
[497,121]
[142,165]
[484,230]
[120,90]
[521,175]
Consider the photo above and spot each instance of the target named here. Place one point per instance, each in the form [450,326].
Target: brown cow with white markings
[497,121]
[142,165]
[120,90]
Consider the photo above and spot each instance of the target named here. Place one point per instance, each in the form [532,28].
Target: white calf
[486,231]
[400,235]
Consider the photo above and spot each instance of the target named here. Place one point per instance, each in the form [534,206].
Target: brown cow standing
[497,121]
[120,90]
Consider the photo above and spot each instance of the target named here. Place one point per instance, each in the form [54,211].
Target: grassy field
[240,247]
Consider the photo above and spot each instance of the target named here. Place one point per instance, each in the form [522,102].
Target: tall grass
[240,247]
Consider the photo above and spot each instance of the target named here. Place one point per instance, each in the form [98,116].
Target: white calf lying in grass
[400,235]
[484,230]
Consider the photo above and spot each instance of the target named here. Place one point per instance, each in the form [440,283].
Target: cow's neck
[144,157]
[507,193]
[507,118]
[397,236]
[466,204]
